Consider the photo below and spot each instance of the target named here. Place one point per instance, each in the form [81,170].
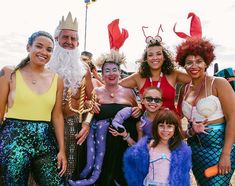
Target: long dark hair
[169,117]
[31,39]
[167,66]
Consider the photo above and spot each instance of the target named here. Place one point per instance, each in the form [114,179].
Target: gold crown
[68,24]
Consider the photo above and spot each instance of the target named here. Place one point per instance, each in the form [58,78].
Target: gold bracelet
[89,117]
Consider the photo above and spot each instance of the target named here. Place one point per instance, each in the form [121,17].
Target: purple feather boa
[136,164]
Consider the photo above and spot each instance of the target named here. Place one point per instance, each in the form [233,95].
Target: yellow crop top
[29,105]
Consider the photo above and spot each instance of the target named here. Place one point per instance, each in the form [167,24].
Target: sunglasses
[150,99]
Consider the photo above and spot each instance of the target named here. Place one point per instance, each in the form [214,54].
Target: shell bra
[208,107]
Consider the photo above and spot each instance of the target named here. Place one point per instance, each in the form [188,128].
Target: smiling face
[110,73]
[165,131]
[155,57]
[68,39]
[152,100]
[195,66]
[41,50]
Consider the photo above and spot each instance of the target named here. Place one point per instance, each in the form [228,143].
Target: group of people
[63,124]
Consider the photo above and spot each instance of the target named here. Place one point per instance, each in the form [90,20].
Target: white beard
[68,65]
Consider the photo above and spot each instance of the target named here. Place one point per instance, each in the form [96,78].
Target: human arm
[83,133]
[137,108]
[139,130]
[97,76]
[182,77]
[4,91]
[58,123]
[93,103]
[196,127]
[228,106]
[130,81]
[88,83]
[125,135]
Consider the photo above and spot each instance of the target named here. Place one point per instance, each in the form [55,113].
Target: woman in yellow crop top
[30,99]
[209,105]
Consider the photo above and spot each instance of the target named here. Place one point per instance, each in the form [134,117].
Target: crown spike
[68,23]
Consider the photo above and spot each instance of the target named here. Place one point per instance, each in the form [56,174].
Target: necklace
[111,94]
[197,95]
[34,82]
[158,82]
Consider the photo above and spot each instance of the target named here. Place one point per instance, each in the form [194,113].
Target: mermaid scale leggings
[28,146]
[206,150]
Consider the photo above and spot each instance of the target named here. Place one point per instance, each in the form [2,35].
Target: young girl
[165,160]
[152,101]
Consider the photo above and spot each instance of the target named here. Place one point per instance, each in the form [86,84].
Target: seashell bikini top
[206,108]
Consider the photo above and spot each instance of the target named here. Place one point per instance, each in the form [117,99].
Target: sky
[19,19]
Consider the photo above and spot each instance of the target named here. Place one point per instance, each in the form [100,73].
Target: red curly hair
[195,46]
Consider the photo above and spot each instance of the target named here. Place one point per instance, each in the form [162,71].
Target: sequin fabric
[28,146]
[206,151]
[76,154]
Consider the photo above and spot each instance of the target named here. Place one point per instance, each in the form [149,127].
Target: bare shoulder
[6,71]
[99,90]
[60,80]
[221,86]
[220,81]
[181,76]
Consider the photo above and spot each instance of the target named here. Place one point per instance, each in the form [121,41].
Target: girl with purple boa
[165,160]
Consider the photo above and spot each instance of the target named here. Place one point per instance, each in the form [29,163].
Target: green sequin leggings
[28,146]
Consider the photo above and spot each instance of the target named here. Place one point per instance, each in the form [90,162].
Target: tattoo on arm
[2,73]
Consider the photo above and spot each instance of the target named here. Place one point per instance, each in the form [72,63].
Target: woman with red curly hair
[209,105]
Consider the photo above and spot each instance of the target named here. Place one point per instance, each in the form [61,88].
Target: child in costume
[165,160]
[152,101]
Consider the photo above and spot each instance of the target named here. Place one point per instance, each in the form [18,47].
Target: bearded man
[77,87]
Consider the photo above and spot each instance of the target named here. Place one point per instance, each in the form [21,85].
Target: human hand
[114,132]
[200,127]
[136,112]
[96,108]
[83,133]
[61,163]
[116,126]
[224,164]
